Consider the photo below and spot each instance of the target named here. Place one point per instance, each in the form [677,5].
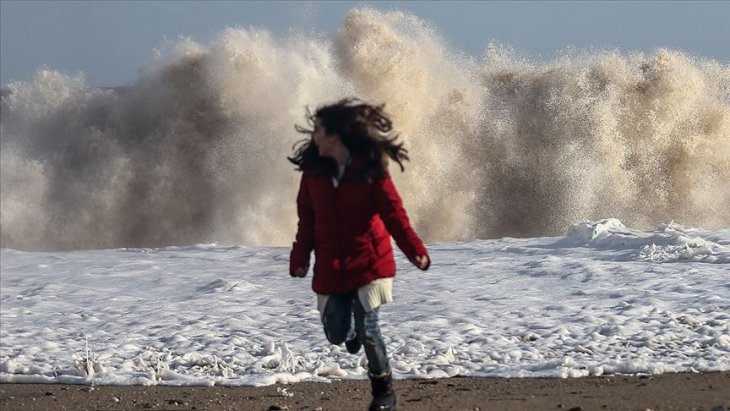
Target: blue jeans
[340,324]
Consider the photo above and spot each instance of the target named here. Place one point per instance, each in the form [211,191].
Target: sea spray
[195,151]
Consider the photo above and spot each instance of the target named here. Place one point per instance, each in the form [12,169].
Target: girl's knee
[369,335]
[337,331]
[336,337]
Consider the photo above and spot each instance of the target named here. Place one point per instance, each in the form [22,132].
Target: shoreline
[682,391]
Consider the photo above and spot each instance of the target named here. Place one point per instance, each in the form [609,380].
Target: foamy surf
[587,303]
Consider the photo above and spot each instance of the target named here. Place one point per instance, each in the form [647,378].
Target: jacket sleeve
[304,242]
[390,207]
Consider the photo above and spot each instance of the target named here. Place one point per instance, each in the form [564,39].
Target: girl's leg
[337,318]
[368,332]
[381,378]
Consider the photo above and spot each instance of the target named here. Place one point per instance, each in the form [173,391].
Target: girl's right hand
[299,272]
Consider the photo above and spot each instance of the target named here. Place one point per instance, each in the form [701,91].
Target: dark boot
[383,394]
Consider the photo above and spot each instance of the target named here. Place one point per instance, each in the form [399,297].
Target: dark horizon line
[5,91]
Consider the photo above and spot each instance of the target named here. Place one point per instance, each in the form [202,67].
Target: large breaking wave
[195,151]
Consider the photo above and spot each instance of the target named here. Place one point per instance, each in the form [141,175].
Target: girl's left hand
[422,262]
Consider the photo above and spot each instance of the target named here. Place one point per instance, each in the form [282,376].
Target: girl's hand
[422,262]
[299,272]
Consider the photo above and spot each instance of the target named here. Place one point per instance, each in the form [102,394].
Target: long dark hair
[365,129]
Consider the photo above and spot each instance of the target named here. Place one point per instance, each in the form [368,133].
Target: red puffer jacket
[349,228]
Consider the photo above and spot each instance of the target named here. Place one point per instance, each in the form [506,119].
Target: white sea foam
[669,243]
[195,150]
[591,302]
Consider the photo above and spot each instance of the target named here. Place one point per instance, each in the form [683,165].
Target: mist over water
[195,151]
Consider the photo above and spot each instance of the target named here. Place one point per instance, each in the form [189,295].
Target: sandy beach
[703,391]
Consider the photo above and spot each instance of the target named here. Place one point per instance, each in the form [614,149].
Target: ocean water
[195,150]
[601,299]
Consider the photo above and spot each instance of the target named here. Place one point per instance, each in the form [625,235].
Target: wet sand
[704,391]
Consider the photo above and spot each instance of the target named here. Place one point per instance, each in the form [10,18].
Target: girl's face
[325,142]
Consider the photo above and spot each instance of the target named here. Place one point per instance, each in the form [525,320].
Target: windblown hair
[366,130]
